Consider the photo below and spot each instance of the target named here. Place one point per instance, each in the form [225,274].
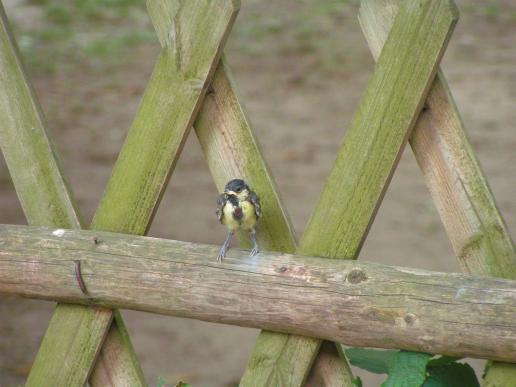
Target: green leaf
[357,382]
[372,360]
[408,369]
[451,375]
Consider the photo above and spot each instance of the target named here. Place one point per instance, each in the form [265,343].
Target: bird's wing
[221,202]
[256,203]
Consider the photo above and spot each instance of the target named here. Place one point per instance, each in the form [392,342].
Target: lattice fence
[406,99]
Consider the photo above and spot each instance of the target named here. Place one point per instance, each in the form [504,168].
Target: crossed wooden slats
[371,148]
[222,128]
[459,189]
[172,98]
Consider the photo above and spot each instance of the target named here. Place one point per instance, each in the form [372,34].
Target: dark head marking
[236,185]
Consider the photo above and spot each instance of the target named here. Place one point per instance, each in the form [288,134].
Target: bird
[238,208]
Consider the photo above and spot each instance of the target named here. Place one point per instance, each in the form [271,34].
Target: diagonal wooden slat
[458,186]
[330,368]
[167,112]
[170,104]
[116,364]
[231,150]
[56,366]
[366,161]
[46,200]
[28,151]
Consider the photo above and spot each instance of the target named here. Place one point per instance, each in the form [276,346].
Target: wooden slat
[154,143]
[230,147]
[117,361]
[28,151]
[167,112]
[231,150]
[46,200]
[369,155]
[117,364]
[380,129]
[329,368]
[360,304]
[458,186]
[156,138]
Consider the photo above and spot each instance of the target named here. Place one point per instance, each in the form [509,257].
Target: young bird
[238,208]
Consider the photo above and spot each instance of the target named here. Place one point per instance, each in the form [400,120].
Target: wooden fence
[406,100]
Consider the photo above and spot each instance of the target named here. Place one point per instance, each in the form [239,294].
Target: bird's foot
[225,247]
[254,251]
[222,254]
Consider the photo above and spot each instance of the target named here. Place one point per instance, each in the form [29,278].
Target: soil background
[300,67]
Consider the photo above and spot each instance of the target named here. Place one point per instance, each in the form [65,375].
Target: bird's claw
[254,251]
[222,254]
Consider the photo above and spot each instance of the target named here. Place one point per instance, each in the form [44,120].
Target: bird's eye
[239,190]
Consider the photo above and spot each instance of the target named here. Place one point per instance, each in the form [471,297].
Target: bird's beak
[231,193]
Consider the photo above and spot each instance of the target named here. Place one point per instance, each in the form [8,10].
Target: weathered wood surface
[117,364]
[360,304]
[168,109]
[458,186]
[380,128]
[368,157]
[230,147]
[231,150]
[28,151]
[328,368]
[46,200]
[453,175]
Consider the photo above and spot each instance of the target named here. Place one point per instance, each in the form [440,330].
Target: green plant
[413,369]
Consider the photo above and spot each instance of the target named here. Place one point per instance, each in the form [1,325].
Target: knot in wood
[281,269]
[356,276]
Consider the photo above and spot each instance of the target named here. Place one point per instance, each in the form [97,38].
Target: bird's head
[237,188]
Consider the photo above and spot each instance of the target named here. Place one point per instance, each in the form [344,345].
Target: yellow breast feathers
[246,222]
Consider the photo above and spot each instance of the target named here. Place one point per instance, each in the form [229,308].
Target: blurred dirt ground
[301,67]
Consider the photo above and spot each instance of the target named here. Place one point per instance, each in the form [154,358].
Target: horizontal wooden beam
[359,304]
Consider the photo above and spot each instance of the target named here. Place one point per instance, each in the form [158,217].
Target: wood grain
[327,369]
[232,151]
[28,151]
[168,109]
[380,129]
[359,304]
[230,147]
[454,177]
